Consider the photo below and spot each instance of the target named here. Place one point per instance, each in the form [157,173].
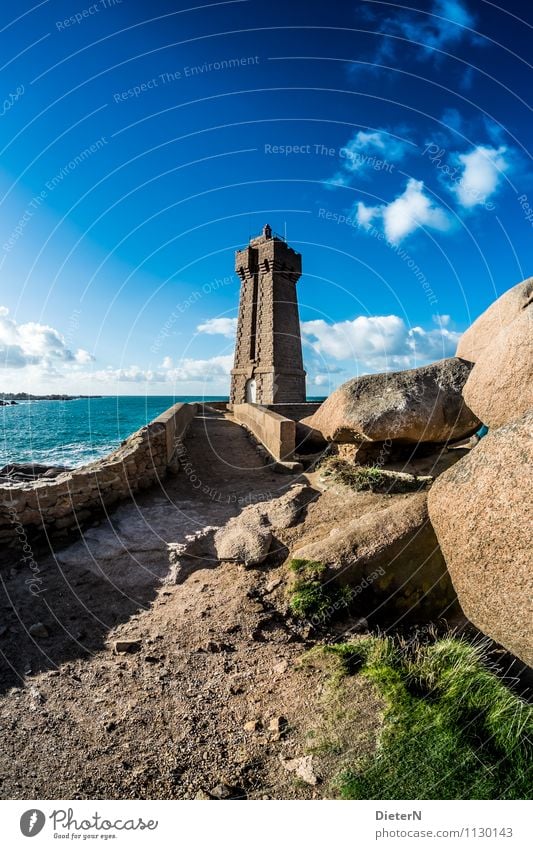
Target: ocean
[71,433]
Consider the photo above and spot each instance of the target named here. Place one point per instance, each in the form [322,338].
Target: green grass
[452,728]
[372,478]
[310,598]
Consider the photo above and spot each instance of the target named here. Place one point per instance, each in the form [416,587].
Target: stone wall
[296,412]
[62,505]
[275,432]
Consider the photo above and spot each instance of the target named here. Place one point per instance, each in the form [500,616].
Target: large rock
[500,386]
[391,560]
[285,511]
[418,405]
[247,537]
[481,334]
[481,511]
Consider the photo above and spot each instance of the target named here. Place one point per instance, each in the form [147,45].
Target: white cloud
[364,336]
[338,179]
[406,213]
[365,146]
[380,342]
[452,119]
[482,171]
[411,210]
[447,23]
[219,327]
[36,358]
[34,344]
[365,214]
[325,378]
[83,357]
[422,36]
[204,370]
[367,151]
[130,374]
[186,370]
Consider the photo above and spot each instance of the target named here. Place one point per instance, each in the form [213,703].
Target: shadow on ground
[119,566]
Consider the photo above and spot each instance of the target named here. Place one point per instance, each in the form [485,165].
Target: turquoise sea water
[71,433]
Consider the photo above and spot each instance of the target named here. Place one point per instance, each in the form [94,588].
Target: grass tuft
[452,730]
[372,478]
[310,598]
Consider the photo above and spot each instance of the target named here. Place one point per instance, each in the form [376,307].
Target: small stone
[202,795]
[38,630]
[273,585]
[252,725]
[127,646]
[221,791]
[37,695]
[302,767]
[278,725]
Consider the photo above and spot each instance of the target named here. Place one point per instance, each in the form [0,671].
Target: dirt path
[214,699]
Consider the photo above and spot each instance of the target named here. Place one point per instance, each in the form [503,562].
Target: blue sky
[141,145]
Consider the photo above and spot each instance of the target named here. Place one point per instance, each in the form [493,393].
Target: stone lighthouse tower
[268,350]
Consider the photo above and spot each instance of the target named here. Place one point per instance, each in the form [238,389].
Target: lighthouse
[268,365]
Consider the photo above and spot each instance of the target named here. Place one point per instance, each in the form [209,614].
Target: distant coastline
[8,399]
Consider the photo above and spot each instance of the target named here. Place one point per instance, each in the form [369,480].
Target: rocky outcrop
[391,560]
[248,536]
[29,471]
[481,511]
[482,333]
[418,405]
[500,386]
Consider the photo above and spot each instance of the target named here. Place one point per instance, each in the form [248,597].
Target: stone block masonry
[275,432]
[296,412]
[268,365]
[67,503]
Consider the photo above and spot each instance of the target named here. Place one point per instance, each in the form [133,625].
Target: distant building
[268,350]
